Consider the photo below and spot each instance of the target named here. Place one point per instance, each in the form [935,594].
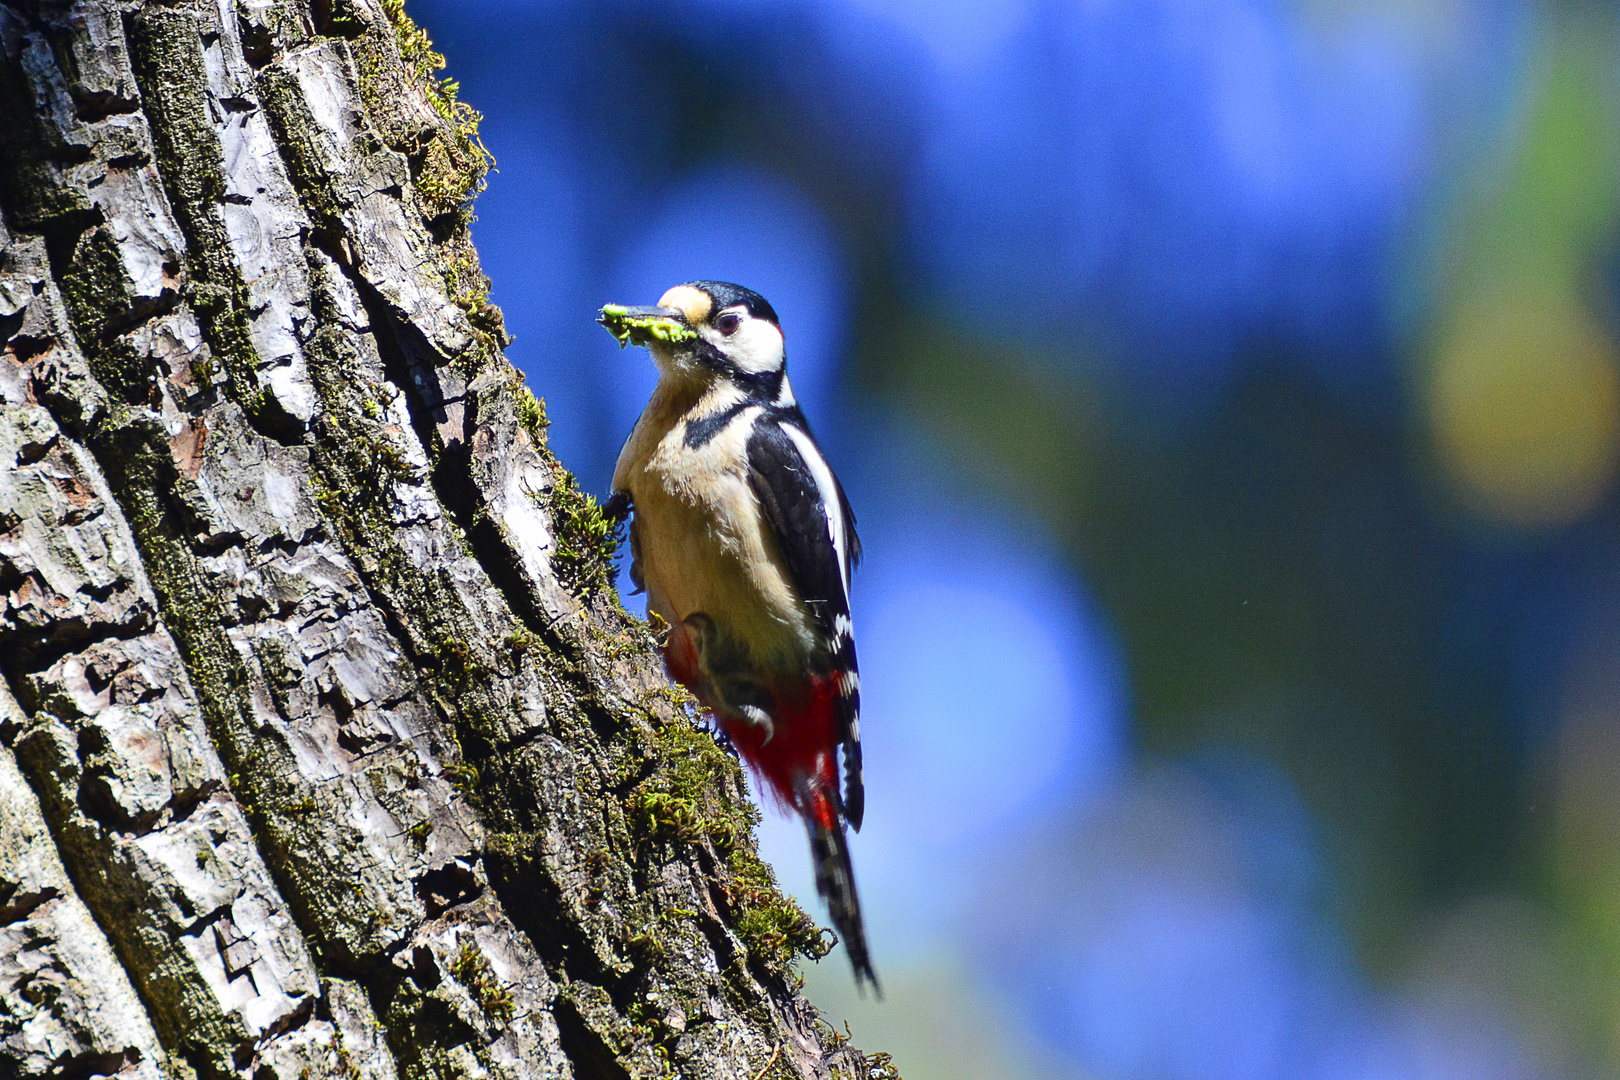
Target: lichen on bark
[341,757]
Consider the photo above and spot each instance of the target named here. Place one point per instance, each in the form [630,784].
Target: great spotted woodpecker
[744,542]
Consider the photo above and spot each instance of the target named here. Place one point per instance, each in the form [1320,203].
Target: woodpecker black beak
[641,325]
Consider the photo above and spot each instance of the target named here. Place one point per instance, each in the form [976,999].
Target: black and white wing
[815,531]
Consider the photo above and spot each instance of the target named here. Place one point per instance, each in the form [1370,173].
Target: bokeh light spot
[1525,408]
[979,697]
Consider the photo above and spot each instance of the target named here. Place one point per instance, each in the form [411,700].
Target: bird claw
[759,718]
[618,507]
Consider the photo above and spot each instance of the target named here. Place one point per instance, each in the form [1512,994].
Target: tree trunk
[325,746]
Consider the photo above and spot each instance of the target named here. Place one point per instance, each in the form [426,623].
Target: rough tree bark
[325,747]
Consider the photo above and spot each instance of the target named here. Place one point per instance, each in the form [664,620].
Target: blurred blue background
[1228,393]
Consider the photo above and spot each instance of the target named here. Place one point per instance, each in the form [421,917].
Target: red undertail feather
[798,765]
[801,750]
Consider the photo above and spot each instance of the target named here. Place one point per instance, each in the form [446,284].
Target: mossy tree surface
[325,746]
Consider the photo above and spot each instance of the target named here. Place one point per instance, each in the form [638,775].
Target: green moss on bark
[531,415]
[587,539]
[430,1040]
[687,800]
[472,971]
[166,55]
[448,160]
[96,291]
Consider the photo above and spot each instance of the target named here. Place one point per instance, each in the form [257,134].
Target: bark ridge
[325,748]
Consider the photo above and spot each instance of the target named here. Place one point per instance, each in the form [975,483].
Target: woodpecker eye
[728,323]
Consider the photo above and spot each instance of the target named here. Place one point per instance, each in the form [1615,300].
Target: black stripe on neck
[761,385]
[701,432]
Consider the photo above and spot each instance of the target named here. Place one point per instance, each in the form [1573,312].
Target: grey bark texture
[325,746]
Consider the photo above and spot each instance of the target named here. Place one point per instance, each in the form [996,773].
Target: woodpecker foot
[760,719]
[723,741]
[617,508]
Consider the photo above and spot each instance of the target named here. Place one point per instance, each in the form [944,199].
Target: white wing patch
[830,503]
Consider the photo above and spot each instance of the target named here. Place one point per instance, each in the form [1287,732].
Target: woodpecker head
[707,332]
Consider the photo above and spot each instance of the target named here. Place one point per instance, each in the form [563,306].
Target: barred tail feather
[854,784]
[835,880]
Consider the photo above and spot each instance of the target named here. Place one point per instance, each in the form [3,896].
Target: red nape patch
[803,746]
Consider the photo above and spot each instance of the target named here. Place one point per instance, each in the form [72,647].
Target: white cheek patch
[784,396]
[756,347]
